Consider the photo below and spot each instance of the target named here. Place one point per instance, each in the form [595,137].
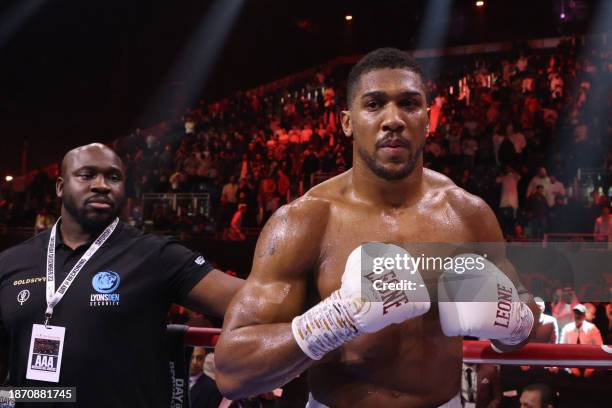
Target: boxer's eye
[373,104]
[409,104]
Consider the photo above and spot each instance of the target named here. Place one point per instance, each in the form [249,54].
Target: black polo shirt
[114,314]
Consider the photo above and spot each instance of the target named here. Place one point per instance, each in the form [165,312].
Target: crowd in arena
[513,129]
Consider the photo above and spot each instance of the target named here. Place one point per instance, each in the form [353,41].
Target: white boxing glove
[482,302]
[365,303]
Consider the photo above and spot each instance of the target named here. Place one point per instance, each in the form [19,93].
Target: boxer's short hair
[380,59]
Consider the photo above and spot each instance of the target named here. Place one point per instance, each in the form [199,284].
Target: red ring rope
[540,354]
[534,354]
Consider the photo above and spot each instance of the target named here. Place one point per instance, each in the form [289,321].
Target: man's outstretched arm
[257,351]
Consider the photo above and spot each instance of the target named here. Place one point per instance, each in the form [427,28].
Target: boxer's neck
[387,193]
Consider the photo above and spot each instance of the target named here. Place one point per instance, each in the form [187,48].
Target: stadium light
[479,3]
[562,16]
[9,178]
[348,17]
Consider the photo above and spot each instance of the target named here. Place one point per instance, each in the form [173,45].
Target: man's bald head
[91,186]
[95,148]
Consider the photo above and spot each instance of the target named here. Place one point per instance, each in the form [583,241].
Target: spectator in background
[548,330]
[178,180]
[517,138]
[203,391]
[480,386]
[234,232]
[44,220]
[136,217]
[558,216]
[607,333]
[166,159]
[506,153]
[229,192]
[229,199]
[519,234]
[469,147]
[268,198]
[557,189]
[591,312]
[537,396]
[435,113]
[247,194]
[562,306]
[309,166]
[196,366]
[541,179]
[509,199]
[283,186]
[581,331]
[603,225]
[538,208]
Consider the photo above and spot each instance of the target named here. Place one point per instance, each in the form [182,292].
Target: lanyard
[54,297]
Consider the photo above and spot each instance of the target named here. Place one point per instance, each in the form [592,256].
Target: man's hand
[482,302]
[357,307]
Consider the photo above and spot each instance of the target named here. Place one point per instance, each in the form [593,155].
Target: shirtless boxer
[300,260]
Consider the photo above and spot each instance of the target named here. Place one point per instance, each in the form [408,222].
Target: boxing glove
[482,302]
[366,302]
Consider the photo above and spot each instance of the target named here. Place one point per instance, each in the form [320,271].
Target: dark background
[73,72]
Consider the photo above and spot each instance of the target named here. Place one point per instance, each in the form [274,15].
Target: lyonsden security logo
[106,284]
[23,296]
[200,260]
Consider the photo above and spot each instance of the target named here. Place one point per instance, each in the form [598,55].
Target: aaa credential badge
[45,357]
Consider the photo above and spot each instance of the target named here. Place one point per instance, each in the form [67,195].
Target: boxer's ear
[347,125]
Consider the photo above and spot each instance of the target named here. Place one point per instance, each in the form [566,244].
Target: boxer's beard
[391,174]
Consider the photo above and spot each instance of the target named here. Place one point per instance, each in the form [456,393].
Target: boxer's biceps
[259,303]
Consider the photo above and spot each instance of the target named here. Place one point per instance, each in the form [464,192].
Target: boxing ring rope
[533,354]
[540,354]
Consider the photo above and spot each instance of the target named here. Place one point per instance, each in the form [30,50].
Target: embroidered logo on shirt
[200,260]
[105,283]
[29,281]
[23,296]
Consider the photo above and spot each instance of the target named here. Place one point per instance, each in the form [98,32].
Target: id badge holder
[45,356]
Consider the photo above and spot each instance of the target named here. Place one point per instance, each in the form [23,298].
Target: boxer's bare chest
[417,228]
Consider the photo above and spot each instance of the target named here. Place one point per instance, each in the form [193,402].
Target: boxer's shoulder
[463,203]
[299,224]
[463,207]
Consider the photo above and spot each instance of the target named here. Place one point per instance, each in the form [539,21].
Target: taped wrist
[325,327]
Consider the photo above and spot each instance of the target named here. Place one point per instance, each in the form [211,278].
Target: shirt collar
[194,378]
[581,328]
[59,240]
